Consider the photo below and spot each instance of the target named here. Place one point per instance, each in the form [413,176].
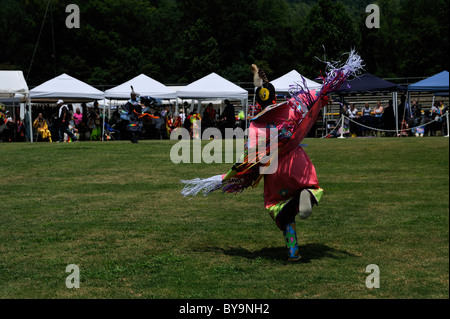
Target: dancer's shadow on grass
[308,253]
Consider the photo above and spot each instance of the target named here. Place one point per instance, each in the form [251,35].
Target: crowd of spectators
[65,123]
[210,117]
[11,130]
[380,120]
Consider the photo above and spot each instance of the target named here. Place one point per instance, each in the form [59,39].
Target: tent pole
[254,101]
[342,126]
[29,119]
[104,114]
[246,114]
[406,106]
[14,118]
[409,101]
[448,128]
[395,105]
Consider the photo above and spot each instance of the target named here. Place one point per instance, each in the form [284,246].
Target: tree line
[179,41]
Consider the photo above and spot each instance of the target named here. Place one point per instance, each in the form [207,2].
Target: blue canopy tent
[437,84]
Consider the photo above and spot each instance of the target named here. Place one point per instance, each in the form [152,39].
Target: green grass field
[115,210]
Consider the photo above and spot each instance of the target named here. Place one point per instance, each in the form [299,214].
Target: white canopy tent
[213,86]
[283,83]
[12,83]
[13,86]
[189,101]
[69,89]
[142,85]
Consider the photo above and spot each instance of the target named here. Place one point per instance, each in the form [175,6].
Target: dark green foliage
[177,41]
[327,33]
[411,41]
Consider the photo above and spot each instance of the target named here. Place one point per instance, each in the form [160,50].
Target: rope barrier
[336,127]
[393,131]
[339,125]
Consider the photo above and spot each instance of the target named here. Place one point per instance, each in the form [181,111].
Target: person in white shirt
[352,113]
